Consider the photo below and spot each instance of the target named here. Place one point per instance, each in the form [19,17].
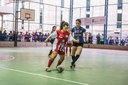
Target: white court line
[34,74]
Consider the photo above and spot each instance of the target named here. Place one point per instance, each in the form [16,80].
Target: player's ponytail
[53,28]
[62,24]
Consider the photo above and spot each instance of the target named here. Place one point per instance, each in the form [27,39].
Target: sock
[66,50]
[75,59]
[59,63]
[50,52]
[50,62]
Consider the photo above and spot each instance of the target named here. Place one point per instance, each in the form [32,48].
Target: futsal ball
[60,69]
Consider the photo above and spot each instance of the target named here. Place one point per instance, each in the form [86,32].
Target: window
[87,15]
[119,14]
[41,26]
[119,24]
[87,5]
[87,26]
[119,4]
[41,13]
[119,17]
[40,19]
[88,9]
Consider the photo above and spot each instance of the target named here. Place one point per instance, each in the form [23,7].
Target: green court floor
[95,67]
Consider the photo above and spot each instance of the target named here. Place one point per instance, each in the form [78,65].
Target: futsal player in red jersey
[61,37]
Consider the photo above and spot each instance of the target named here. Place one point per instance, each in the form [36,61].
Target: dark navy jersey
[78,34]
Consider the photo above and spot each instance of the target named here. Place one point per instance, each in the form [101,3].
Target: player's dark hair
[79,20]
[62,24]
[53,27]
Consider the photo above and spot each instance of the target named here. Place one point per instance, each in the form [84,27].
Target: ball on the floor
[60,69]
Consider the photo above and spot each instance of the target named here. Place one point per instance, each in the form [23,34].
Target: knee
[77,55]
[72,53]
[62,59]
[52,59]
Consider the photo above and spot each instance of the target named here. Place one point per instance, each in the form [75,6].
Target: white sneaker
[48,70]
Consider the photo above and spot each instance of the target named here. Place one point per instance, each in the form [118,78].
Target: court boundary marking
[44,76]
[11,58]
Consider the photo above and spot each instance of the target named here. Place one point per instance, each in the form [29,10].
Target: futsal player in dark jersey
[78,33]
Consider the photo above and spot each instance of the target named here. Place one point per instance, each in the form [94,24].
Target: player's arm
[52,35]
[48,38]
[72,39]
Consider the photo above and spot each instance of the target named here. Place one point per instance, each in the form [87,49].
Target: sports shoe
[48,70]
[72,66]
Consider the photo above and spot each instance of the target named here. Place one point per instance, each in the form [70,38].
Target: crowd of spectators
[40,37]
[21,37]
[112,40]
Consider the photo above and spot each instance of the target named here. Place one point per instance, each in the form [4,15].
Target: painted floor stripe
[34,74]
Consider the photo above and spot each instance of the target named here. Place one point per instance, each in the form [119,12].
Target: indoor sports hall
[25,26]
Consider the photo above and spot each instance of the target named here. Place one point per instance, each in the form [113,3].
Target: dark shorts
[52,41]
[78,44]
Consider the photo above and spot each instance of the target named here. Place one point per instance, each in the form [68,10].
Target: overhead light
[41,7]
[119,11]
[62,9]
[88,12]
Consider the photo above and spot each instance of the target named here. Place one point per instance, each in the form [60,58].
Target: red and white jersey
[60,40]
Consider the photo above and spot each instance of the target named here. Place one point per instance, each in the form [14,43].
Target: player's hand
[77,41]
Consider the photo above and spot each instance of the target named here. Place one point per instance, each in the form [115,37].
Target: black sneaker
[72,66]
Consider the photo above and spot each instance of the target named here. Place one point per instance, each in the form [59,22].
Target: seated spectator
[4,35]
[117,41]
[90,38]
[111,41]
[98,38]
[0,35]
[10,36]
[102,39]
[126,41]
[122,42]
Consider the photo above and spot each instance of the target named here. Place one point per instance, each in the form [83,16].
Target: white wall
[51,19]
[98,2]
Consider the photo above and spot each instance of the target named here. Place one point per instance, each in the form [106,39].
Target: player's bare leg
[73,52]
[58,68]
[60,60]
[53,56]
[78,53]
